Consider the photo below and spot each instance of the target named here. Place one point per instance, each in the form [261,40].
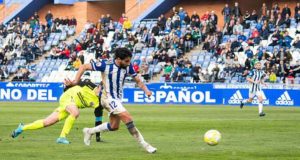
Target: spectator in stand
[176,74]
[181,14]
[167,71]
[73,22]
[81,57]
[117,36]
[169,25]
[138,47]
[297,16]
[195,15]
[213,18]
[49,19]
[287,21]
[276,10]
[161,23]
[136,67]
[215,73]
[196,70]
[238,28]
[155,30]
[172,53]
[152,41]
[296,43]
[77,63]
[236,11]
[127,24]
[280,20]
[187,19]
[98,51]
[272,77]
[254,16]
[226,12]
[275,38]
[121,19]
[287,40]
[286,10]
[65,54]
[297,7]
[205,16]
[36,16]
[264,9]
[265,32]
[282,71]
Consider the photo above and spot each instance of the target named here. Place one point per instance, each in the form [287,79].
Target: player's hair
[122,53]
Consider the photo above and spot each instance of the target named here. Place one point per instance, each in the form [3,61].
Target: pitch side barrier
[163,93]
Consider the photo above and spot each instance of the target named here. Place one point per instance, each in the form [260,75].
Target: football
[212,137]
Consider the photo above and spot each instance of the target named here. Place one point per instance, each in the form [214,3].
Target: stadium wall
[163,93]
[134,8]
[29,9]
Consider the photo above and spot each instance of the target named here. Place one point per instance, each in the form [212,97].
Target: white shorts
[255,93]
[113,106]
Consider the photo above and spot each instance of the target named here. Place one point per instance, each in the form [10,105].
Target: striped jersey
[113,77]
[256,75]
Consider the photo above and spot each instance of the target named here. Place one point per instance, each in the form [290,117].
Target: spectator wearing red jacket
[65,54]
[136,67]
[205,17]
[78,47]
[121,19]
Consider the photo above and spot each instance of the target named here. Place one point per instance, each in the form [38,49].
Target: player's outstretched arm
[79,73]
[142,86]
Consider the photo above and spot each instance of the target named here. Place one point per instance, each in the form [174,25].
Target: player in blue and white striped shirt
[113,77]
[256,78]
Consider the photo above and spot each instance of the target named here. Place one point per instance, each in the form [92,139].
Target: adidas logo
[265,100]
[236,98]
[285,99]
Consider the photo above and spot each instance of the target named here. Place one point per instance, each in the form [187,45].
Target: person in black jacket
[297,16]
[297,8]
[236,10]
[286,10]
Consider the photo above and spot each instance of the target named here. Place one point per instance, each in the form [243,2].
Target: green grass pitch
[177,132]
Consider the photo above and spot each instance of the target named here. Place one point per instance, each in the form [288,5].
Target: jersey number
[113,105]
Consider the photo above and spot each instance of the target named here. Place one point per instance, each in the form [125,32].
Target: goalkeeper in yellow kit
[70,102]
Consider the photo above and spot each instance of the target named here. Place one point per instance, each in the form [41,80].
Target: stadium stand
[23,42]
[160,46]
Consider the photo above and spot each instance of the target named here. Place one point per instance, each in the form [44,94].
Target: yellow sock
[67,126]
[35,125]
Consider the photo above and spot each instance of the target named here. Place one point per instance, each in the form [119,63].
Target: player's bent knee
[49,122]
[76,114]
[130,125]
[113,127]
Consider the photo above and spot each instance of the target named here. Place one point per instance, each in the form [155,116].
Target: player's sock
[104,127]
[260,107]
[68,125]
[34,125]
[135,133]
[98,122]
[139,137]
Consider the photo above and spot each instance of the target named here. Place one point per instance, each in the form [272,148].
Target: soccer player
[255,78]
[113,76]
[70,102]
[98,112]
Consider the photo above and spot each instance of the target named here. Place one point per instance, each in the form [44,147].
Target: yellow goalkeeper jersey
[83,97]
